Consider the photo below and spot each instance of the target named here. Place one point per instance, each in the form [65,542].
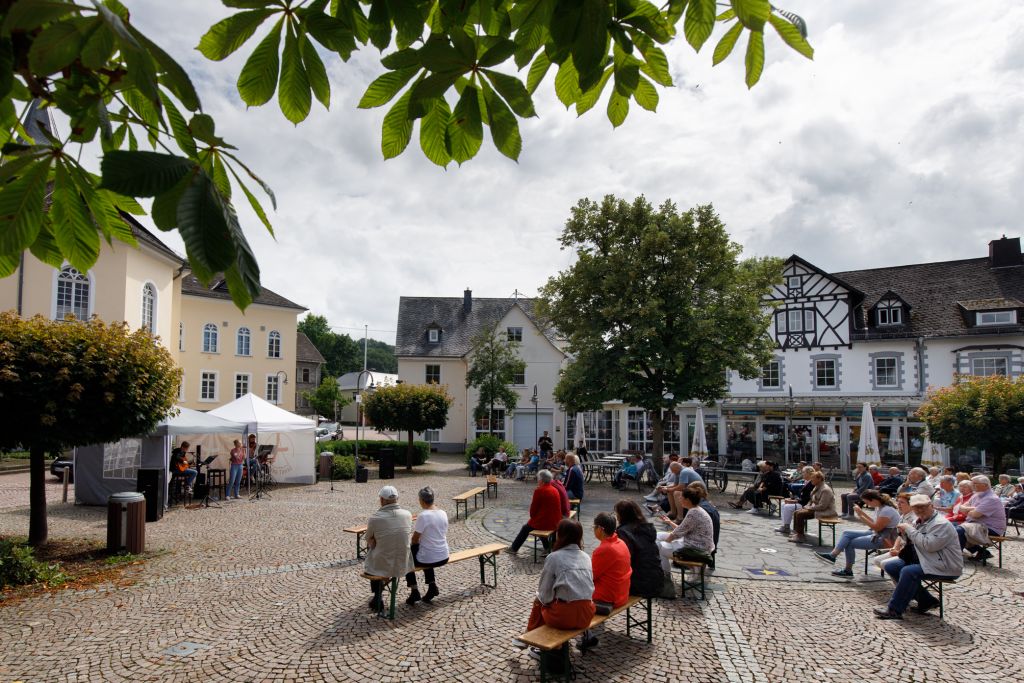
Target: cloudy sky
[900,143]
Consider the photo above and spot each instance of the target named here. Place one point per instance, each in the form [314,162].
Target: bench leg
[941,601]
[1000,548]
[458,504]
[819,533]
[489,559]
[642,624]
[535,541]
[360,550]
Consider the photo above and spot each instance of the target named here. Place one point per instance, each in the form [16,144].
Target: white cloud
[899,143]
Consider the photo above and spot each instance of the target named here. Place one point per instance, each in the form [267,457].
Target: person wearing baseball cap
[938,555]
[387,542]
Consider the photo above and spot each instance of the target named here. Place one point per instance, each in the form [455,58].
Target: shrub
[491,444]
[370,450]
[18,567]
[343,467]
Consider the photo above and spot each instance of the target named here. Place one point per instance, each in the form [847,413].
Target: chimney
[467,296]
[1004,252]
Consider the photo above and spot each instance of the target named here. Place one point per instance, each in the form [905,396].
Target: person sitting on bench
[881,531]
[429,546]
[545,511]
[612,572]
[573,478]
[693,538]
[566,583]
[499,462]
[985,516]
[630,470]
[891,484]
[387,542]
[751,491]
[792,504]
[647,579]
[861,483]
[821,506]
[938,555]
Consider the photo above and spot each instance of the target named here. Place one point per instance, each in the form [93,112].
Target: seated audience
[573,477]
[751,491]
[477,461]
[429,546]
[876,476]
[611,569]
[716,519]
[881,531]
[891,484]
[563,495]
[499,462]
[692,538]
[822,504]
[640,538]
[985,516]
[966,491]
[387,543]
[946,496]
[934,475]
[564,594]
[545,511]
[861,482]
[916,483]
[1005,488]
[630,471]
[791,505]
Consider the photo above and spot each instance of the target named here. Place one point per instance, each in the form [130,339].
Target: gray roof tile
[218,289]
[305,351]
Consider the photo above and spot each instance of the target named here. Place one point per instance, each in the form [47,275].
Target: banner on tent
[122,459]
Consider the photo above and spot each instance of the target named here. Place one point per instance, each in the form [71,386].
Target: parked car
[323,434]
[59,463]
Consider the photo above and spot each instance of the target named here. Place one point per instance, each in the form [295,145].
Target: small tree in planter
[72,383]
[408,408]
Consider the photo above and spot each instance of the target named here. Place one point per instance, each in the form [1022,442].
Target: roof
[934,290]
[458,328]
[305,351]
[144,236]
[990,304]
[218,289]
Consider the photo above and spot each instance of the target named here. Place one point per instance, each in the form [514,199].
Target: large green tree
[657,308]
[494,363]
[408,408]
[71,383]
[455,66]
[339,351]
[978,412]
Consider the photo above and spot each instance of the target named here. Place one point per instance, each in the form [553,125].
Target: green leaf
[220,177]
[385,87]
[21,207]
[73,230]
[726,15]
[179,128]
[726,44]
[513,91]
[249,4]
[227,35]
[791,35]
[380,24]
[99,47]
[752,13]
[590,46]
[253,202]
[465,130]
[258,79]
[498,53]
[403,59]
[26,16]
[164,210]
[45,247]
[202,225]
[143,174]
[590,98]
[618,108]
[174,76]
[294,95]
[538,70]
[259,181]
[646,95]
[755,57]
[408,21]
[330,32]
[699,22]
[434,131]
[203,127]
[656,64]
[57,46]
[503,124]
[567,83]
[316,72]
[439,56]
[397,127]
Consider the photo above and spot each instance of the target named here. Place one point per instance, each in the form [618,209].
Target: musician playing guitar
[180,464]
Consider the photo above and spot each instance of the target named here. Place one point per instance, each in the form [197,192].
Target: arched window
[274,344]
[242,347]
[149,308]
[181,336]
[209,338]
[72,294]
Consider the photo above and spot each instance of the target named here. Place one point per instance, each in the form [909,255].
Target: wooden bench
[775,503]
[830,522]
[693,585]
[492,485]
[547,638]
[462,500]
[574,504]
[545,536]
[487,554]
[996,541]
[935,583]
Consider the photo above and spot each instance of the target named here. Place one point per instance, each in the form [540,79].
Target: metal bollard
[66,474]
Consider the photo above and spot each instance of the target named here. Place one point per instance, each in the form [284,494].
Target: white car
[324,434]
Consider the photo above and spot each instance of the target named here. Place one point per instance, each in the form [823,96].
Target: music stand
[206,502]
[263,454]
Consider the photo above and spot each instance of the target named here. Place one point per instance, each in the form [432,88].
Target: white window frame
[835,373]
[795,315]
[790,284]
[986,318]
[214,348]
[781,322]
[273,350]
[895,372]
[248,383]
[432,436]
[994,361]
[433,335]
[778,375]
[90,281]
[275,382]
[306,375]
[248,341]
[500,416]
[519,384]
[426,373]
[203,378]
[150,288]
[514,334]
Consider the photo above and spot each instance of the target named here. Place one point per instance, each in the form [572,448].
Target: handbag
[603,608]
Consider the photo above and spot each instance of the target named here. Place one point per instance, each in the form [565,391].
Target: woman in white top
[881,531]
[429,546]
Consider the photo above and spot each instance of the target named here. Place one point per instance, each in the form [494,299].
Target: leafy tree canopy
[983,412]
[342,353]
[327,398]
[493,366]
[455,66]
[657,307]
[72,383]
[408,408]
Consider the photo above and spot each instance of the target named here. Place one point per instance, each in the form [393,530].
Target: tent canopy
[189,421]
[261,416]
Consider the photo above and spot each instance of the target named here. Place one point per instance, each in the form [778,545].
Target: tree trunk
[408,454]
[490,420]
[658,437]
[997,464]
[37,497]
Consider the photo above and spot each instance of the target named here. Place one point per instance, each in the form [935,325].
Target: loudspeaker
[386,463]
[362,475]
[199,452]
[150,484]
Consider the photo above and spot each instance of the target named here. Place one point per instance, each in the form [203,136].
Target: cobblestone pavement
[270,591]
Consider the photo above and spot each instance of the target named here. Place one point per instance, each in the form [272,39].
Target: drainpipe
[921,385]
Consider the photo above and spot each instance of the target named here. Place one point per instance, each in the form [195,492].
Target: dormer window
[433,335]
[997,318]
[890,315]
[890,310]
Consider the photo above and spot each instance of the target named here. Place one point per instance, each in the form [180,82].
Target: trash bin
[326,461]
[386,461]
[362,474]
[126,522]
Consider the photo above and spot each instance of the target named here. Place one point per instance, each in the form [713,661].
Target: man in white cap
[938,555]
[387,541]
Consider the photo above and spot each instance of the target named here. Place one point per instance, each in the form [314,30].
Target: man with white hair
[387,541]
[668,479]
[985,517]
[916,483]
[545,511]
[938,555]
[934,474]
[1005,488]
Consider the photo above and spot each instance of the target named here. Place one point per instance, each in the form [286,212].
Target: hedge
[491,444]
[371,449]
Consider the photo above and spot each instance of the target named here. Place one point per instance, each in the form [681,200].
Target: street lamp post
[359,414]
[278,376]
[533,400]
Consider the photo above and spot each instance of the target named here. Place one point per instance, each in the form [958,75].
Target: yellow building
[221,350]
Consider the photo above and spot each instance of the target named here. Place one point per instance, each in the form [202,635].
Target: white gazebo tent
[292,437]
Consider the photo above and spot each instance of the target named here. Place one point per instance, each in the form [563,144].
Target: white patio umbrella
[867,447]
[580,436]
[931,453]
[831,434]
[699,448]
[896,439]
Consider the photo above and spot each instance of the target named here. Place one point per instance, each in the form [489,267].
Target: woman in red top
[612,570]
[966,491]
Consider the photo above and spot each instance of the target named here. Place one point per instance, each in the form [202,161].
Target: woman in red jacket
[545,511]
[612,570]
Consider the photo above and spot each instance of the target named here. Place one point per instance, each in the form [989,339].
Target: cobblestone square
[270,591]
